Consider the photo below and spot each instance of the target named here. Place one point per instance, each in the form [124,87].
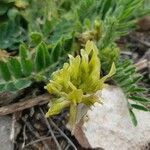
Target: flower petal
[56,106]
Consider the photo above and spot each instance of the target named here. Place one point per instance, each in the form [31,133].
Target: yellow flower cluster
[77,82]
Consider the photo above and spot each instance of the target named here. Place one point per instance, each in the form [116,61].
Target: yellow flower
[77,82]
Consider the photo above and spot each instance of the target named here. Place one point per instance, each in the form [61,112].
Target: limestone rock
[5,127]
[5,131]
[109,125]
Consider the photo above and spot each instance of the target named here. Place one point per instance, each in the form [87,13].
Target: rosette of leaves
[77,83]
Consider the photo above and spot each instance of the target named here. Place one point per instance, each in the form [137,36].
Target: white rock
[5,131]
[109,125]
[5,127]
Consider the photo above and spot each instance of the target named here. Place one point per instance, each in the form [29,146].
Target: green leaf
[138,90]
[26,63]
[84,8]
[139,107]
[8,1]
[15,67]
[27,66]
[129,69]
[11,34]
[133,117]
[139,99]
[22,83]
[36,37]
[12,13]
[47,57]
[4,71]
[136,79]
[56,52]
[42,58]
[3,8]
[128,88]
[126,63]
[10,87]
[111,73]
[106,7]
[126,82]
[2,87]
[23,53]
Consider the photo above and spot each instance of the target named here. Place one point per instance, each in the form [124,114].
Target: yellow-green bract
[77,82]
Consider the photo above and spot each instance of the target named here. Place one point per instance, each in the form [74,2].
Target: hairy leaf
[27,67]
[42,58]
[22,83]
[23,53]
[36,37]
[4,71]
[10,87]
[15,67]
